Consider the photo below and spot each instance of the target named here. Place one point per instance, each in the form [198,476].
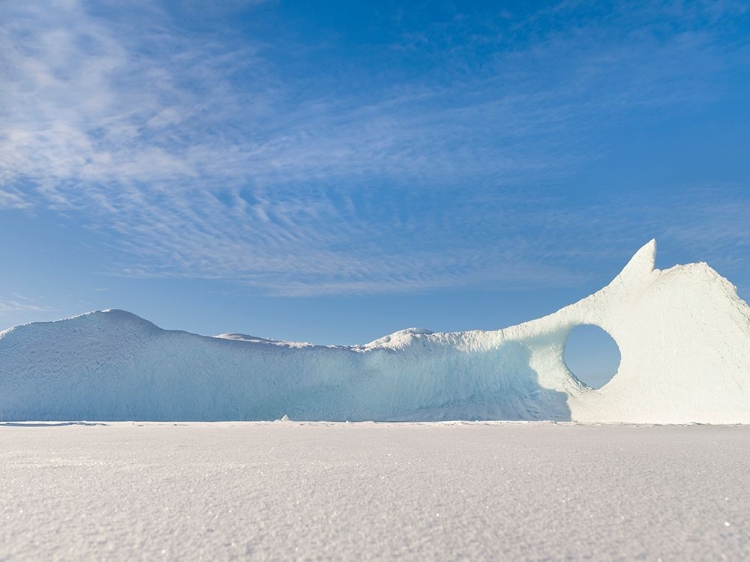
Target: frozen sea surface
[364,491]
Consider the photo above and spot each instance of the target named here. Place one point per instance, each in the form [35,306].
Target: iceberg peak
[641,264]
[399,338]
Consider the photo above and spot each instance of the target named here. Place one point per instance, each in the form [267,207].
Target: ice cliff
[683,334]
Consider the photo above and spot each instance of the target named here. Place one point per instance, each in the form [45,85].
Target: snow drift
[683,334]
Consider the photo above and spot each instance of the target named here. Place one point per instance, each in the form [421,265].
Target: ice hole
[592,355]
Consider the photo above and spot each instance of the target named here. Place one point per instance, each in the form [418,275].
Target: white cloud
[20,303]
[11,198]
[200,158]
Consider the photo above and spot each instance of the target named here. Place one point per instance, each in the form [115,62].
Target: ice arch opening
[592,355]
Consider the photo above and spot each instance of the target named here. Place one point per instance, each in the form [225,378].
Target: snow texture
[683,334]
[373,491]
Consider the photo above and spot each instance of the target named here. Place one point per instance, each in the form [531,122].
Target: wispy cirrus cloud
[200,154]
[20,303]
[11,198]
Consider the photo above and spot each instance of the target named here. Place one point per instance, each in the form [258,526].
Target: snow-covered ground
[288,490]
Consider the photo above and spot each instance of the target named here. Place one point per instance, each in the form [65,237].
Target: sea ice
[373,491]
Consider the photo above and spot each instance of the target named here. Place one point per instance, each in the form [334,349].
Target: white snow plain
[372,491]
[683,334]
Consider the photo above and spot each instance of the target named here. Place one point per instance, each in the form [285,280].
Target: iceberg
[683,334]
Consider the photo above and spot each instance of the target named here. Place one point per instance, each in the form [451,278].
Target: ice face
[683,333]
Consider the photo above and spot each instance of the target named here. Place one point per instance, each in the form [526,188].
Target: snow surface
[683,334]
[323,491]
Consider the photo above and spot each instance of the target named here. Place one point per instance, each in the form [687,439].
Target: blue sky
[330,172]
